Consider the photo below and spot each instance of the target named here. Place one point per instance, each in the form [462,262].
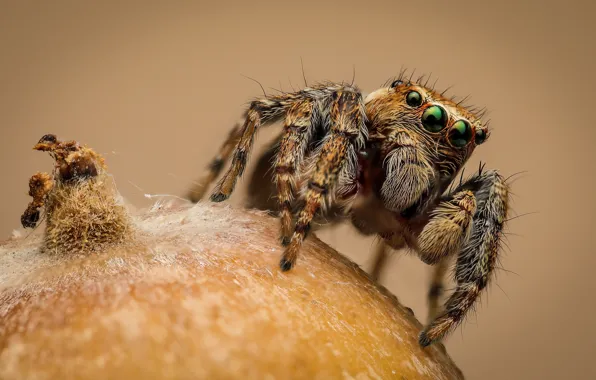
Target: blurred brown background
[155,86]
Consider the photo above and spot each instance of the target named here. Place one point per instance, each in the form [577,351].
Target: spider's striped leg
[261,112]
[437,287]
[217,163]
[476,261]
[347,128]
[298,130]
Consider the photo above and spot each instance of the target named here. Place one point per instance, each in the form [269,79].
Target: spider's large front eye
[480,136]
[460,134]
[434,119]
[414,99]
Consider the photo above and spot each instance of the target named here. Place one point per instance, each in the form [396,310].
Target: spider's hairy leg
[260,112]
[437,287]
[197,192]
[476,261]
[409,173]
[347,129]
[298,128]
[40,185]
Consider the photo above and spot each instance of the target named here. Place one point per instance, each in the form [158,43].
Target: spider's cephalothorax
[388,159]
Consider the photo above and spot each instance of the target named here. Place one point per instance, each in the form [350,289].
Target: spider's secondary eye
[396,83]
[414,99]
[480,136]
[460,134]
[434,119]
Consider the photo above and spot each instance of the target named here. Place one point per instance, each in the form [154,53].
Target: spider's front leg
[336,159]
[478,210]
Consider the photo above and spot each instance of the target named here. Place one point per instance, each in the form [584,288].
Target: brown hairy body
[389,161]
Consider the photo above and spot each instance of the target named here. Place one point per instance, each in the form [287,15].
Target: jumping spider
[387,159]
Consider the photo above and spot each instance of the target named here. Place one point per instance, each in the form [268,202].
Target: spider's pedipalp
[347,130]
[448,228]
[477,259]
[409,170]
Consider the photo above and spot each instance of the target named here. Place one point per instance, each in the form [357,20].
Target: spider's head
[422,111]
[419,131]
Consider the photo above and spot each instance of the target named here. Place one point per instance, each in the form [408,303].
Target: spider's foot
[424,340]
[219,197]
[290,256]
[285,264]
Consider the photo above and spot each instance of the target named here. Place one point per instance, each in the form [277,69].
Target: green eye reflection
[414,99]
[434,119]
[460,134]
[480,136]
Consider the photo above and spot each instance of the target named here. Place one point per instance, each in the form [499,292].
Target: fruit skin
[197,294]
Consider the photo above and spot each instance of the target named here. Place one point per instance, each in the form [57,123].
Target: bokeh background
[156,85]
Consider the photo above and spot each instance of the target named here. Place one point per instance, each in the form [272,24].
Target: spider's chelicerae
[389,160]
